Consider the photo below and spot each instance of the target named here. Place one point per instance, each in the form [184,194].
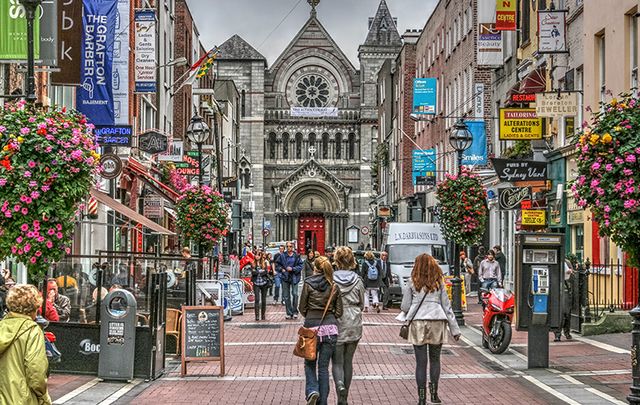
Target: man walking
[502,261]
[277,280]
[290,267]
[386,280]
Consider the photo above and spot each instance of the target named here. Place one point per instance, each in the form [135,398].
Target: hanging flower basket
[48,161]
[608,181]
[462,207]
[203,216]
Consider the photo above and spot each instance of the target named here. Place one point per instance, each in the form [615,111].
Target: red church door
[311,233]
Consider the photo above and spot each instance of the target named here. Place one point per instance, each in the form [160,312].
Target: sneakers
[342,393]
[288,317]
[377,308]
[568,336]
[312,399]
[557,338]
[295,316]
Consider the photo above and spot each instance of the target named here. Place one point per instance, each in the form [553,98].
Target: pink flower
[59,235]
[3,181]
[31,164]
[14,249]
[595,182]
[24,211]
[35,194]
[49,244]
[30,235]
[27,173]
[630,203]
[59,227]
[2,129]
[25,130]
[51,231]
[595,166]
[630,158]
[44,188]
[619,161]
[38,253]
[16,208]
[608,167]
[33,259]
[24,228]
[627,172]
[19,239]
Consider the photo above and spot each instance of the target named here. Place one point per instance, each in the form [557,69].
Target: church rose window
[312,91]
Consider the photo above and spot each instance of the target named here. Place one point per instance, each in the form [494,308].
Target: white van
[404,241]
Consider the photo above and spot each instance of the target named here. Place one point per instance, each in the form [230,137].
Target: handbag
[307,337]
[404,329]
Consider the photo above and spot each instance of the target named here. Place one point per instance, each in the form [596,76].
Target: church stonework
[310,173]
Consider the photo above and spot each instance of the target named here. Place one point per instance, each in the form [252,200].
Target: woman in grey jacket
[350,324]
[426,305]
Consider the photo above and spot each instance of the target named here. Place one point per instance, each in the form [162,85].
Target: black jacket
[315,294]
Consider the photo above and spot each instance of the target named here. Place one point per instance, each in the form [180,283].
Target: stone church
[309,128]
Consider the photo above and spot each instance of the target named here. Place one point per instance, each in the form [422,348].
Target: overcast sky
[254,20]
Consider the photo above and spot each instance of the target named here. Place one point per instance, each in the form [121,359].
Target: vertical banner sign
[13,31]
[69,35]
[477,152]
[424,95]
[94,97]
[489,45]
[478,101]
[121,64]
[551,31]
[145,51]
[423,165]
[49,33]
[506,15]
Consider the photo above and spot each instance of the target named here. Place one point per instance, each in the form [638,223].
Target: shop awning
[129,213]
[172,213]
[532,83]
[157,186]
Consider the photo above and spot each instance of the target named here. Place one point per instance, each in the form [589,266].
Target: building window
[525,20]
[352,146]
[312,91]
[243,104]
[633,51]
[312,142]
[246,178]
[602,65]
[272,145]
[298,145]
[285,146]
[325,145]
[338,146]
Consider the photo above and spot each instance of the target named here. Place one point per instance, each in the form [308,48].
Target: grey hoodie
[352,293]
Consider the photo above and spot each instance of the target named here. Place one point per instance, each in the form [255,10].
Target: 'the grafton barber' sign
[520,170]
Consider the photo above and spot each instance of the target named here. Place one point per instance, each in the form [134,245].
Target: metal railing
[612,286]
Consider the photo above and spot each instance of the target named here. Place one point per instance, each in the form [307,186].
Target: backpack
[372,273]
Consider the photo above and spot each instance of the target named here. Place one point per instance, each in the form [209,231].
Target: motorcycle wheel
[485,343]
[501,342]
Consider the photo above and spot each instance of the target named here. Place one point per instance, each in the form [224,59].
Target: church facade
[308,128]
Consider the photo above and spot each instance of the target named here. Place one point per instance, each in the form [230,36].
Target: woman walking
[318,293]
[427,308]
[308,263]
[260,278]
[22,353]
[350,324]
[372,276]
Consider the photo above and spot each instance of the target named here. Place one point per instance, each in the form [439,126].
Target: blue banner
[423,167]
[477,152]
[424,95]
[94,97]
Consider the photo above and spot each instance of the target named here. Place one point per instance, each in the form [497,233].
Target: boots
[422,396]
[433,390]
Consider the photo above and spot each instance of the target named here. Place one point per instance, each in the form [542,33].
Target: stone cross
[313,4]
[312,151]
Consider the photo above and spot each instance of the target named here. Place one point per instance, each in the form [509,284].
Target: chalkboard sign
[202,335]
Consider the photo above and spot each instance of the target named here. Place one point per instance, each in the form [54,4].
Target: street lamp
[198,132]
[30,7]
[460,140]
[252,208]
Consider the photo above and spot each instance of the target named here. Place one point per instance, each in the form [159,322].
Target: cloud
[260,22]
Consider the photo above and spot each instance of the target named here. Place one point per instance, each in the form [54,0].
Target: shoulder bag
[404,329]
[307,337]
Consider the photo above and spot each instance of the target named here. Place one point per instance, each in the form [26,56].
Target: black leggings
[342,363]
[421,364]
[260,293]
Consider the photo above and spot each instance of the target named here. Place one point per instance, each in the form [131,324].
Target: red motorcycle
[499,305]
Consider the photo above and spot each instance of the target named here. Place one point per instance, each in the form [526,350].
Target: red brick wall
[406,63]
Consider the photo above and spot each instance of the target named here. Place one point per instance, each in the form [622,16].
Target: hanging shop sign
[145,70]
[121,63]
[476,154]
[478,104]
[519,124]
[557,104]
[523,98]
[424,95]
[94,97]
[489,45]
[423,163]
[13,31]
[153,206]
[113,135]
[384,211]
[111,166]
[153,142]
[506,15]
[69,52]
[520,170]
[552,31]
[48,33]
[511,198]
[534,217]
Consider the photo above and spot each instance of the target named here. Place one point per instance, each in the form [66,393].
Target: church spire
[382,28]
[313,4]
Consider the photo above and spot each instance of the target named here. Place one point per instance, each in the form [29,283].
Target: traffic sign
[365,230]
[266,232]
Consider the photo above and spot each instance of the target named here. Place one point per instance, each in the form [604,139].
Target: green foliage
[519,150]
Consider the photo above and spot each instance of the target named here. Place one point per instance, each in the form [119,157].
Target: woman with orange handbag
[321,306]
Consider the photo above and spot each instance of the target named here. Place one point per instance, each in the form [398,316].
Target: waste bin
[117,336]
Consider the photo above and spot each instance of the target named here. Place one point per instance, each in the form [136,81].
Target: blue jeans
[318,381]
[290,296]
[277,283]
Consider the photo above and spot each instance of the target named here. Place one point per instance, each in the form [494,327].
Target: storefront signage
[511,198]
[476,154]
[523,98]
[13,31]
[153,142]
[69,52]
[556,104]
[424,95]
[423,166]
[145,70]
[552,31]
[534,218]
[111,166]
[384,211]
[94,97]
[174,153]
[478,104]
[153,206]
[506,15]
[489,45]
[575,217]
[113,135]
[519,124]
[48,33]
[520,170]
[121,64]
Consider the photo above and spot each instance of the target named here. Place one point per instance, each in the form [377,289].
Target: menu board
[202,335]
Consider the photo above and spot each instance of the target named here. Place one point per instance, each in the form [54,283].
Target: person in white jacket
[426,306]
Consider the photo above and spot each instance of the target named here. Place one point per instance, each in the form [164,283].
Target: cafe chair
[172,326]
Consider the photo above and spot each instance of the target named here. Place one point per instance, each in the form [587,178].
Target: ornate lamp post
[30,7]
[460,140]
[198,132]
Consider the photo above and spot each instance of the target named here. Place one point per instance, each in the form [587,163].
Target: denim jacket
[436,306]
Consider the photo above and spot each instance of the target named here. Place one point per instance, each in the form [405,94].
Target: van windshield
[406,254]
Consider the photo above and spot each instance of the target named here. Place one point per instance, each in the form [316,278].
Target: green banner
[13,31]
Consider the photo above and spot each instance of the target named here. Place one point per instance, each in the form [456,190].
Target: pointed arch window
[312,140]
[325,145]
[298,145]
[285,146]
[272,145]
[352,146]
[243,104]
[338,146]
